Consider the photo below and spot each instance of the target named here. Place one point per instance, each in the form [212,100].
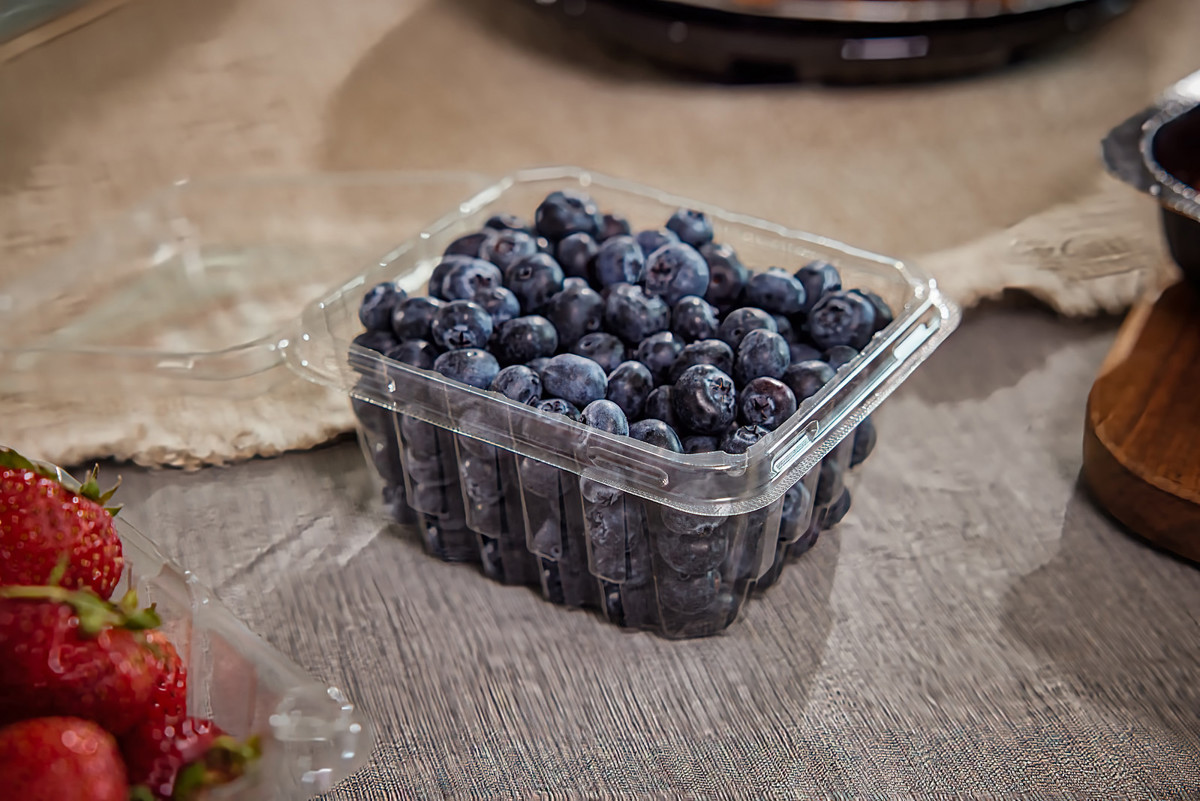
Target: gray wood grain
[973,628]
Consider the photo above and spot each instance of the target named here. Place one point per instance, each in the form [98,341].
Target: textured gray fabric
[973,629]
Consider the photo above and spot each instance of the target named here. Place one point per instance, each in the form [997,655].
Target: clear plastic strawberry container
[668,542]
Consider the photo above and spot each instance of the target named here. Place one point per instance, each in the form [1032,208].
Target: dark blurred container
[21,16]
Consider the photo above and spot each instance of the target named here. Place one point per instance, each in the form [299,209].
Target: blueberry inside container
[653,539]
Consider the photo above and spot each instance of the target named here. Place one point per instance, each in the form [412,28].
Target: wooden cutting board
[1141,448]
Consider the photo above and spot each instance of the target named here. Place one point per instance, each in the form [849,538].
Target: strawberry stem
[224,761]
[89,489]
[95,614]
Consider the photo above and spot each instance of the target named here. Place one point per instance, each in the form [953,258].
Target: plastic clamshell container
[662,541]
[312,736]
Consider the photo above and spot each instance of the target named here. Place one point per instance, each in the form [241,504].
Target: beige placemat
[992,183]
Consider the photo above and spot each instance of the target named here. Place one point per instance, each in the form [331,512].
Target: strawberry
[178,762]
[69,652]
[46,518]
[168,700]
[60,759]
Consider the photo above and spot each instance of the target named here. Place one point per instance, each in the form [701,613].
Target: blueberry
[618,261]
[572,282]
[658,352]
[564,213]
[412,318]
[652,240]
[614,225]
[465,277]
[606,416]
[480,481]
[468,245]
[883,312]
[660,405]
[864,442]
[701,443]
[378,341]
[375,311]
[500,304]
[741,439]
[706,351]
[727,276]
[841,318]
[628,387]
[767,402]
[415,352]
[558,406]
[461,324]
[803,353]
[675,271]
[575,254]
[419,437]
[657,433]
[506,248]
[507,222]
[538,364]
[471,366]
[694,318]
[785,328]
[819,279]
[775,291]
[534,280]
[689,595]
[524,339]
[424,469]
[740,322]
[374,418]
[575,312]
[761,353]
[575,379]
[633,315]
[438,276]
[806,378]
[691,226]
[829,481]
[596,493]
[805,541]
[839,356]
[836,511]
[795,503]
[705,399]
[601,347]
[519,383]
[541,479]
[693,554]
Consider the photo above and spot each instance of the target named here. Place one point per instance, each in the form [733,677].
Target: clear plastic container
[668,542]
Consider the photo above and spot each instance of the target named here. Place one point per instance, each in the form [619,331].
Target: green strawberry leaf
[95,614]
[140,792]
[224,761]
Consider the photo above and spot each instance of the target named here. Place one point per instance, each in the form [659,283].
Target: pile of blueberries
[663,336]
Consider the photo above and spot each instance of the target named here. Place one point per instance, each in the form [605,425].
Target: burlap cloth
[993,183]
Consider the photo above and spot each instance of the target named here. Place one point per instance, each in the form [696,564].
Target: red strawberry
[68,652]
[48,518]
[168,700]
[177,762]
[60,759]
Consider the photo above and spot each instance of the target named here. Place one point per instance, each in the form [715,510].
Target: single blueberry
[618,261]
[375,311]
[507,222]
[541,479]
[538,364]
[378,341]
[691,226]
[567,212]
[706,351]
[806,378]
[740,322]
[518,382]
[805,542]
[775,291]
[575,254]
[575,312]
[783,325]
[741,439]
[633,315]
[658,352]
[467,276]
[601,347]
[558,406]
[883,312]
[675,271]
[803,353]
[864,442]
[614,225]
[761,353]
[443,267]
[829,482]
[461,324]
[575,379]
[705,399]
[819,279]
[506,248]
[471,366]
[606,416]
[836,511]
[419,437]
[500,304]
[651,240]
[727,276]
[841,318]
[415,352]
[524,339]
[657,433]
[534,280]
[694,318]
[696,553]
[468,245]
[767,402]
[701,443]
[839,356]
[424,469]
[572,282]
[688,595]
[628,386]
[412,318]
[660,405]
[795,503]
